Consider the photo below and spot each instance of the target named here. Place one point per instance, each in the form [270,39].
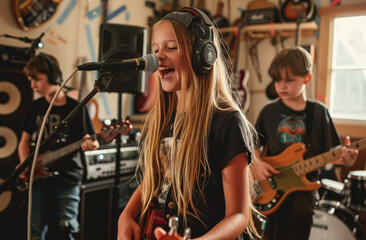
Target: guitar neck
[318,161]
[238,40]
[59,153]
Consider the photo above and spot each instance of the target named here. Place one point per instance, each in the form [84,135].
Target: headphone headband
[204,52]
[198,13]
[196,22]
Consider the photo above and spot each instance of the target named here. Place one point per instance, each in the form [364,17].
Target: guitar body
[270,193]
[155,219]
[279,186]
[93,111]
[290,10]
[243,89]
[30,14]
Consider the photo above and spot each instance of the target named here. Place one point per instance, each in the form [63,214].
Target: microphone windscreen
[152,63]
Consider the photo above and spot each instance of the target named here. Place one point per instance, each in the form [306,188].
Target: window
[341,69]
[348,72]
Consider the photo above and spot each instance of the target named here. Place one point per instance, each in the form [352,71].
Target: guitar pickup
[258,191]
[272,183]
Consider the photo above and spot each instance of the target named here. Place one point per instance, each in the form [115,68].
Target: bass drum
[13,213]
[332,220]
[356,190]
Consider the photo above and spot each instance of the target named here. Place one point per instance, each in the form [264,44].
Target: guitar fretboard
[59,153]
[318,161]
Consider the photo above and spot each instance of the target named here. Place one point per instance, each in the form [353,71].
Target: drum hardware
[355,190]
[333,220]
[333,190]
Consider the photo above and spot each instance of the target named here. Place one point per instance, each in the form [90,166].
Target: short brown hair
[297,59]
[40,64]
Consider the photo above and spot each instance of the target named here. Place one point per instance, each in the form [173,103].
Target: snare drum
[332,190]
[332,220]
[356,190]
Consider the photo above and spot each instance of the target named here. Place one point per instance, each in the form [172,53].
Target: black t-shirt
[279,126]
[68,170]
[225,141]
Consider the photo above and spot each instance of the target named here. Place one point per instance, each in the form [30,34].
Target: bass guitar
[270,193]
[108,133]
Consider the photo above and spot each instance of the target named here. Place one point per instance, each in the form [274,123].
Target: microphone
[148,63]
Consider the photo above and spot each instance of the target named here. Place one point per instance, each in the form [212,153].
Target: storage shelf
[264,30]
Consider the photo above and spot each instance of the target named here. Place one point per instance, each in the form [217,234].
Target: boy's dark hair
[297,59]
[44,63]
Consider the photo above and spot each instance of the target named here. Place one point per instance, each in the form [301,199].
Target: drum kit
[336,214]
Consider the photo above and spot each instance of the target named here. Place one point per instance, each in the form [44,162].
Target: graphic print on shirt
[53,121]
[165,154]
[292,129]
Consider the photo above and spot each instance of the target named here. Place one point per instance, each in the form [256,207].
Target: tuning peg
[173,224]
[187,234]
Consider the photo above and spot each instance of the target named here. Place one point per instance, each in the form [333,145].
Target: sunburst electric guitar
[270,193]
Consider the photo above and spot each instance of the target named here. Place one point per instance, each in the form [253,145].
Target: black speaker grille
[123,42]
[15,94]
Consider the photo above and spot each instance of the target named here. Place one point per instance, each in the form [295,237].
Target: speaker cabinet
[15,94]
[100,206]
[123,42]
[96,210]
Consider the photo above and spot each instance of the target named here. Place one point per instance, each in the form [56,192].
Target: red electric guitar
[241,76]
[156,219]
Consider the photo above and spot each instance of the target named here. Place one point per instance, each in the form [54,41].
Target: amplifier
[101,163]
[261,16]
[10,56]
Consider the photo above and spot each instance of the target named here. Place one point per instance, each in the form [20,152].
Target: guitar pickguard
[277,187]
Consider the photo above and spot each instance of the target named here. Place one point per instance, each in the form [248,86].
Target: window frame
[353,128]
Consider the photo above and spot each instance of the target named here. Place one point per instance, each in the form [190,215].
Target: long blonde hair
[205,94]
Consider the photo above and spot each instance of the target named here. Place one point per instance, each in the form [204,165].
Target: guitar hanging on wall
[241,76]
[30,14]
[290,9]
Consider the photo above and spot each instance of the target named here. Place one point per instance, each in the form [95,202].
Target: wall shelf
[284,29]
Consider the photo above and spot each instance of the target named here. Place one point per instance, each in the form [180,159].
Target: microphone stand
[35,44]
[100,84]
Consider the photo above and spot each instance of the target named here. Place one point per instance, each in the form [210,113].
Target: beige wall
[73,30]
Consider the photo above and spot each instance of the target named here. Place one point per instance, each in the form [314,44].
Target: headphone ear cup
[55,76]
[203,56]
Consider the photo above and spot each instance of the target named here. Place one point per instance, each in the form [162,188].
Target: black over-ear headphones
[204,52]
[55,75]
